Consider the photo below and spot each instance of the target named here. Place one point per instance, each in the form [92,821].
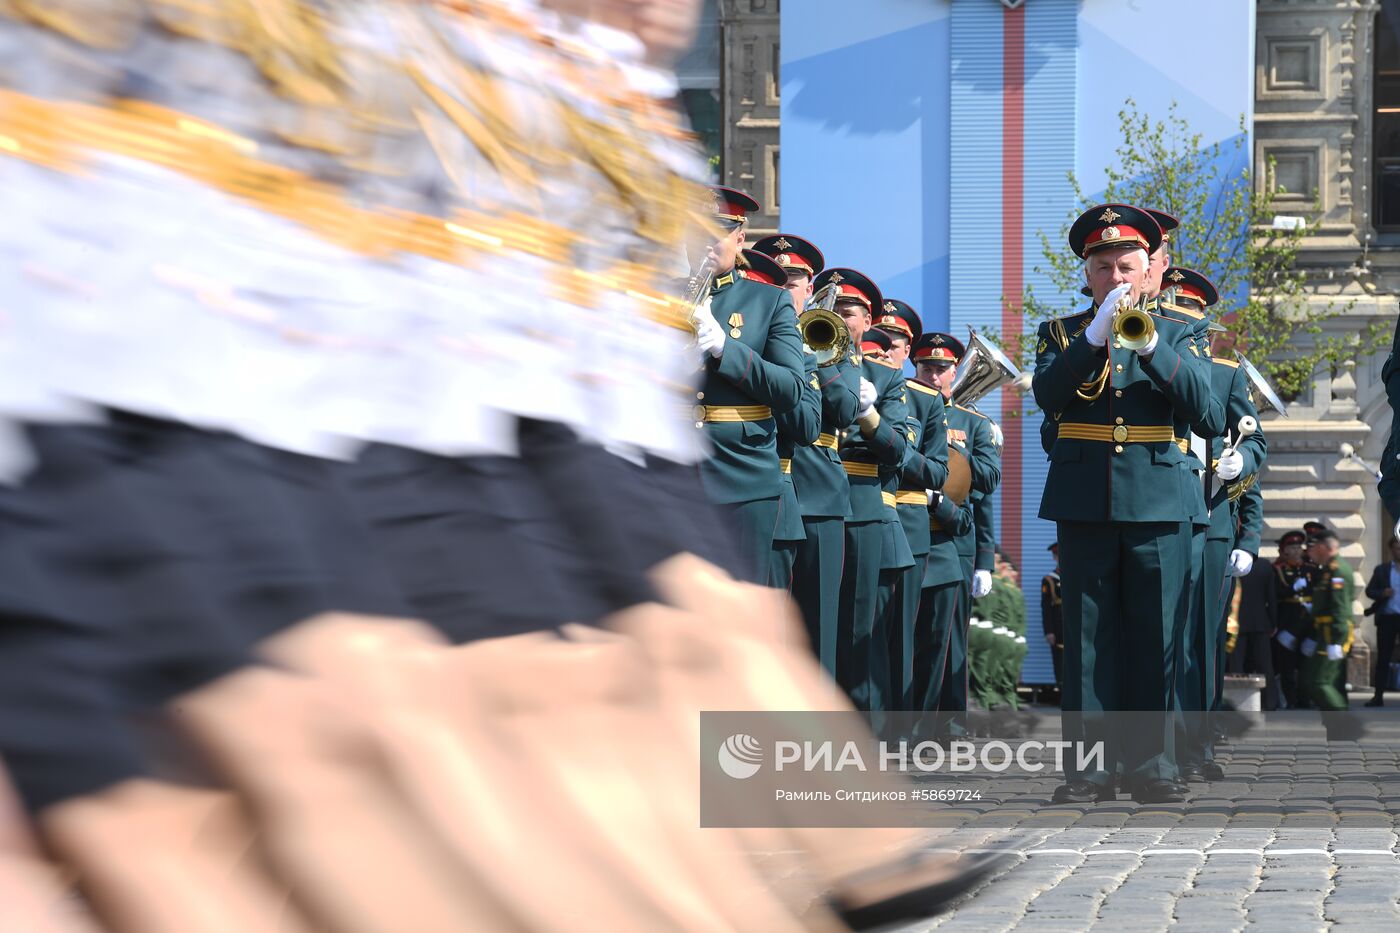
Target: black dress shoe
[1158,791]
[1211,771]
[1191,775]
[1375,701]
[1081,791]
[933,886]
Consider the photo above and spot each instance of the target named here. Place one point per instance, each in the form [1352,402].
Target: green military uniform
[925,468]
[871,451]
[758,375]
[1330,619]
[943,585]
[1201,660]
[1010,674]
[824,496]
[798,427]
[1121,497]
[896,559]
[983,649]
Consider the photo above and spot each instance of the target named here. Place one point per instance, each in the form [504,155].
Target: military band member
[871,449]
[1120,495]
[1052,613]
[946,607]
[1232,469]
[1329,634]
[923,472]
[747,335]
[1292,582]
[895,556]
[798,427]
[943,580]
[823,494]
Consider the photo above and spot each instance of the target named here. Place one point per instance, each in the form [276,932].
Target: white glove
[868,397]
[1231,465]
[1334,652]
[981,583]
[709,336]
[1102,325]
[1300,584]
[1307,647]
[998,438]
[1000,630]
[1151,347]
[1240,562]
[1286,638]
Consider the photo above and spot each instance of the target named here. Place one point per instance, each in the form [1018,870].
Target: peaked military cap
[852,284]
[755,265]
[793,252]
[936,346]
[1166,221]
[898,317]
[1290,538]
[732,205]
[875,340]
[1109,225]
[1191,285]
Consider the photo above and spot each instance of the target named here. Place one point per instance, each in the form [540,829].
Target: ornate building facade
[749,87]
[1327,112]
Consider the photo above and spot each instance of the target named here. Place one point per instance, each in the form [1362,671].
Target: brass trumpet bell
[825,334]
[823,330]
[1133,328]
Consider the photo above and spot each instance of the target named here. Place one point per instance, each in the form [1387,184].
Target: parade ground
[1300,836]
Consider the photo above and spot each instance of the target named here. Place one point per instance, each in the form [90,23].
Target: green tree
[1227,233]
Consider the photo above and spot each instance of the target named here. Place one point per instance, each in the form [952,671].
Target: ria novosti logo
[740,756]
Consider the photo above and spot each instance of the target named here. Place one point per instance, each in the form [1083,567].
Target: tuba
[822,329]
[982,369]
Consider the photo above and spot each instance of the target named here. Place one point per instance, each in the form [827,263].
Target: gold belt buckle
[1120,433]
[699,412]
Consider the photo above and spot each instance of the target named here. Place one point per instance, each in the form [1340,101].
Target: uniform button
[1117,345]
[1117,393]
[700,395]
[1118,448]
[1117,420]
[1118,368]
[699,424]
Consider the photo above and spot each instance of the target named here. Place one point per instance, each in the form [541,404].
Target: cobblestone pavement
[1302,835]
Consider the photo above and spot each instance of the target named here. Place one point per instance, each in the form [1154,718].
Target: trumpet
[1132,326]
[823,330]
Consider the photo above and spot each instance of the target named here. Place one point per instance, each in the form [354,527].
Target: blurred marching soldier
[1292,578]
[1052,613]
[946,605]
[1115,382]
[922,475]
[1233,465]
[1315,570]
[747,334]
[823,493]
[871,449]
[798,427]
[1329,635]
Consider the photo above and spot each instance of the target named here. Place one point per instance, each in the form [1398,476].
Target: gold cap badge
[782,243]
[1109,215]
